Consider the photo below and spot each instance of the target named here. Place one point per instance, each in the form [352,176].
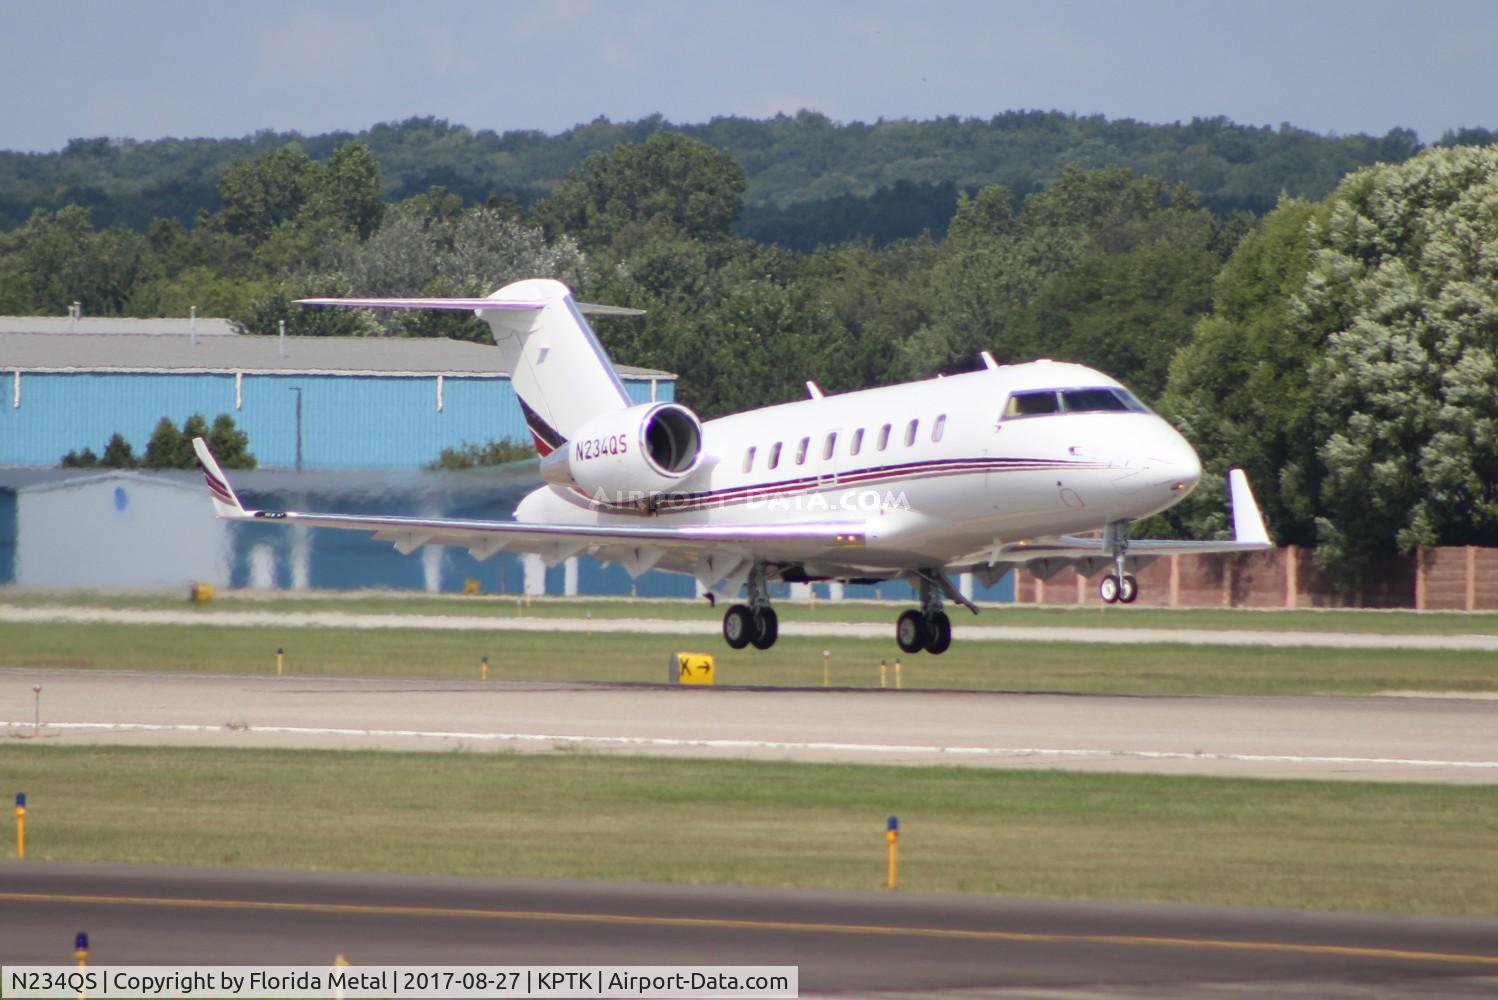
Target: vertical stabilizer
[560,370]
[561,373]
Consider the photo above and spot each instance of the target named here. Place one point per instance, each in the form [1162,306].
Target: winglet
[225,503]
[1248,523]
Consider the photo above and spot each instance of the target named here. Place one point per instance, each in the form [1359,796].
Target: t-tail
[559,369]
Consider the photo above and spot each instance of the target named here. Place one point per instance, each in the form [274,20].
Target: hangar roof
[143,352]
[117,325]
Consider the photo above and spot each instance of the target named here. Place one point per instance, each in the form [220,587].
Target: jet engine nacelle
[629,456]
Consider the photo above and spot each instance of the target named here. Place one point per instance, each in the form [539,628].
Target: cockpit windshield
[1045,402]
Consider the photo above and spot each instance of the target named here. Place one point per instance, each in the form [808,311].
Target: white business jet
[1044,464]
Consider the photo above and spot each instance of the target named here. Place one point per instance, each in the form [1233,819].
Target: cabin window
[801,450]
[749,459]
[829,447]
[884,437]
[1032,404]
[910,431]
[939,428]
[856,445]
[775,455]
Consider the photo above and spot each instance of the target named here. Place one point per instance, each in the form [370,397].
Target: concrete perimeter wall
[1456,578]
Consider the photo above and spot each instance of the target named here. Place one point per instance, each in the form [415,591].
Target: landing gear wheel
[767,628]
[1130,590]
[1107,589]
[940,636]
[911,632]
[738,626]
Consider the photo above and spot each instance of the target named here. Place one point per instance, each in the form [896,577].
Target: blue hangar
[345,423]
[354,403]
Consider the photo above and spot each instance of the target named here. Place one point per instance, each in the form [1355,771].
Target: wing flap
[648,542]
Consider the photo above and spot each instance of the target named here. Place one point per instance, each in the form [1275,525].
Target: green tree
[347,189]
[229,444]
[1125,313]
[165,448]
[85,459]
[1026,285]
[473,456]
[1403,294]
[260,194]
[1239,390]
[118,454]
[668,180]
[1353,361]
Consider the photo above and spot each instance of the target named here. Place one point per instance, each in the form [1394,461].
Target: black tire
[738,626]
[767,629]
[911,633]
[1107,589]
[1130,590]
[940,638]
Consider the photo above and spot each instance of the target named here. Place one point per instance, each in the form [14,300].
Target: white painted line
[772,745]
[710,626]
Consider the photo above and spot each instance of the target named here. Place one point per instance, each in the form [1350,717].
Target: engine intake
[628,457]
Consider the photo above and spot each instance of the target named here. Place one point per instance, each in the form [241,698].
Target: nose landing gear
[1117,587]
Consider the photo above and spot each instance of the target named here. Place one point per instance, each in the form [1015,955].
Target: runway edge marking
[664,742]
[468,913]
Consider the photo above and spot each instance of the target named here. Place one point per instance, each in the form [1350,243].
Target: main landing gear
[756,622]
[1117,587]
[930,628]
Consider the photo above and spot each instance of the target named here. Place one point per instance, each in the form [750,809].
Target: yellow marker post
[21,826]
[826,668]
[280,661]
[484,669]
[892,834]
[899,666]
[883,672]
[692,668]
[80,949]
[339,962]
[519,608]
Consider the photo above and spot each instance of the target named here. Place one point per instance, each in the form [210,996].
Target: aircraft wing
[1249,535]
[712,553]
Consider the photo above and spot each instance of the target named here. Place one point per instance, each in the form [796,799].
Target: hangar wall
[367,421]
[118,530]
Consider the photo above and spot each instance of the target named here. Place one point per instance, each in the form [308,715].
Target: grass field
[1024,666]
[1382,847]
[1082,616]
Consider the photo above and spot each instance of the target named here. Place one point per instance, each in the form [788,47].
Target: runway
[1365,739]
[978,630]
[846,944]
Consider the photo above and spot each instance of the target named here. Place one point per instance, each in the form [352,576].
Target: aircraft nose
[1182,467]
[1161,458]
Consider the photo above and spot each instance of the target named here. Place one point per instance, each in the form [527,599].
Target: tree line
[809,180]
[1340,347]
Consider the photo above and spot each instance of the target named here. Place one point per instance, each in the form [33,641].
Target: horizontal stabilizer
[467,305]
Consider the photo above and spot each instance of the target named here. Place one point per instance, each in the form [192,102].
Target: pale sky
[155,68]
